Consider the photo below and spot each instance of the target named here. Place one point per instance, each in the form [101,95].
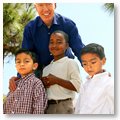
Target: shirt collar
[56,19]
[100,75]
[29,76]
[60,60]
[40,22]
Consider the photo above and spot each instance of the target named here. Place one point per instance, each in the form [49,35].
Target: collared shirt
[37,35]
[96,95]
[66,69]
[28,98]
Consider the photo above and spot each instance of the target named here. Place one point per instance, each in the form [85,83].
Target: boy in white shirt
[97,93]
[61,77]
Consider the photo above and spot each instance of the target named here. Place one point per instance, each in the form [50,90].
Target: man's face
[46,12]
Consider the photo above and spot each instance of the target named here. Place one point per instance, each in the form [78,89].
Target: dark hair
[93,48]
[65,35]
[28,52]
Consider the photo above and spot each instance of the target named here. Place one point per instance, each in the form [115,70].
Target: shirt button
[13,112]
[49,33]
[18,88]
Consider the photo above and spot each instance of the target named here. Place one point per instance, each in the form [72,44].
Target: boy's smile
[57,45]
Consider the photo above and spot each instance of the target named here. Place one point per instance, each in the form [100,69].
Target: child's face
[24,64]
[57,45]
[92,64]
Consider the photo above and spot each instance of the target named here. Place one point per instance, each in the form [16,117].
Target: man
[37,33]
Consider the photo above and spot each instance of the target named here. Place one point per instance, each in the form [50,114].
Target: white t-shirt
[96,95]
[66,69]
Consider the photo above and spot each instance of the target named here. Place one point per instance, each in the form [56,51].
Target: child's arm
[12,84]
[74,78]
[51,80]
[39,98]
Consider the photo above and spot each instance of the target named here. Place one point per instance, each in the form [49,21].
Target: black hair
[65,35]
[28,52]
[93,48]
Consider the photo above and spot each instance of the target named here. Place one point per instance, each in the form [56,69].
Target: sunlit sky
[95,25]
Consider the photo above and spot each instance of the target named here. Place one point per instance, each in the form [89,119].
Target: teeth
[46,14]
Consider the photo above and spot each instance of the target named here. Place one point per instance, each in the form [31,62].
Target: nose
[22,63]
[54,45]
[45,8]
[89,67]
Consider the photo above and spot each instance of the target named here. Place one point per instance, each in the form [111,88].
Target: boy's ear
[35,66]
[55,5]
[35,5]
[103,60]
[67,45]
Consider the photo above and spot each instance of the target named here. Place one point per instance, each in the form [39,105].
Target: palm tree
[15,17]
[109,7]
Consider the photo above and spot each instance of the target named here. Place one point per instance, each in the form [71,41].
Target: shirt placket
[16,98]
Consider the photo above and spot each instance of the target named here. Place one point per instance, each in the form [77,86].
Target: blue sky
[94,25]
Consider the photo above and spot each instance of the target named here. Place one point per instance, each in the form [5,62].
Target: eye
[17,62]
[39,4]
[84,64]
[51,42]
[27,61]
[49,4]
[93,62]
[59,42]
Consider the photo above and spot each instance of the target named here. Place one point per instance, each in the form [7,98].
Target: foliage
[4,98]
[109,7]
[15,17]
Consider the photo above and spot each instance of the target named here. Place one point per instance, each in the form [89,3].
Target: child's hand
[49,80]
[45,82]
[12,85]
